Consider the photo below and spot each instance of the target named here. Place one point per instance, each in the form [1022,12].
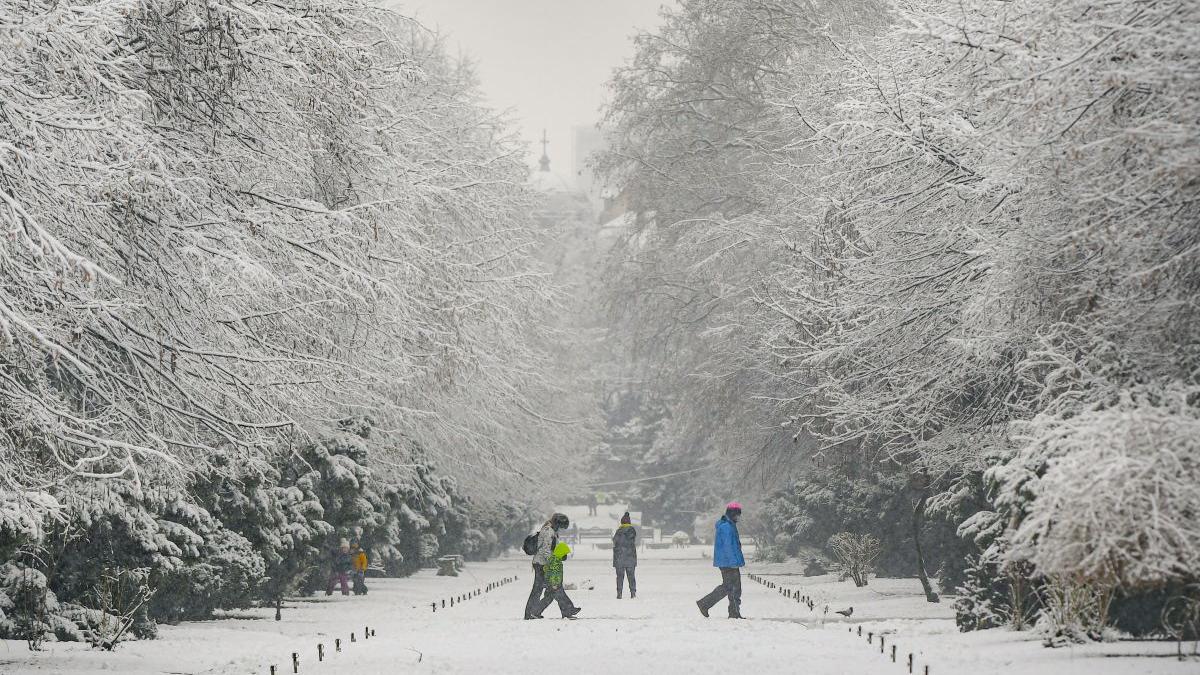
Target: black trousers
[731,587]
[543,594]
[622,573]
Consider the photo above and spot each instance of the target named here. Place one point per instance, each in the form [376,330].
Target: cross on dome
[544,162]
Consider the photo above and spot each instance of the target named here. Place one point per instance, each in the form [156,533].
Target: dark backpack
[530,544]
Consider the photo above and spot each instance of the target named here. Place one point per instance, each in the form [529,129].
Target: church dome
[552,181]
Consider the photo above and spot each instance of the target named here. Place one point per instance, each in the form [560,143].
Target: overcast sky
[547,60]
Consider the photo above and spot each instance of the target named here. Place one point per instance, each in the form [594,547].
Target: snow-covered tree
[228,227]
[925,226]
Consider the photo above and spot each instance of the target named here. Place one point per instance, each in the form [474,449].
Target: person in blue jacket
[727,555]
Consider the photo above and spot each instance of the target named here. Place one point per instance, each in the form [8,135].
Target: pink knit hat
[732,506]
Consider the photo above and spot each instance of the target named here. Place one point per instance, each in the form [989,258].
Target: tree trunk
[917,521]
[278,607]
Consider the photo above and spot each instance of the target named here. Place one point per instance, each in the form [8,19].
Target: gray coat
[547,538]
[625,547]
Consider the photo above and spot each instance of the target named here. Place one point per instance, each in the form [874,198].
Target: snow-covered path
[659,632]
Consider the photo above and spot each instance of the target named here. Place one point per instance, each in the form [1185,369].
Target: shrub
[855,554]
[27,605]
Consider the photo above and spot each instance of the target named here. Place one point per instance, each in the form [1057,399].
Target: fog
[548,61]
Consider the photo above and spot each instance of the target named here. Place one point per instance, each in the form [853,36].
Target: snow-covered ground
[897,609]
[659,632]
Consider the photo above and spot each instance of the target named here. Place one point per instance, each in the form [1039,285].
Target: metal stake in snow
[320,652]
[337,644]
[295,662]
[366,632]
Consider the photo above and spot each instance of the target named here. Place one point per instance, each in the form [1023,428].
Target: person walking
[592,504]
[625,555]
[555,590]
[359,558]
[727,556]
[339,568]
[541,595]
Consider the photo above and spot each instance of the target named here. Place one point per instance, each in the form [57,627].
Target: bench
[449,565]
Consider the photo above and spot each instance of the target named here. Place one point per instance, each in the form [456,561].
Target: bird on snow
[845,612]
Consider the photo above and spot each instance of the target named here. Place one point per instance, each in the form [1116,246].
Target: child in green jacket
[554,583]
[554,568]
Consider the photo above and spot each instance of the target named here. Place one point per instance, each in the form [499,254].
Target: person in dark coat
[625,556]
[727,556]
[340,566]
[542,595]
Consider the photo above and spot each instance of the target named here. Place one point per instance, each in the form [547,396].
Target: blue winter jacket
[727,547]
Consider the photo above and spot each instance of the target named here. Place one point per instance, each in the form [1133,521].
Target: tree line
[266,281]
[936,262]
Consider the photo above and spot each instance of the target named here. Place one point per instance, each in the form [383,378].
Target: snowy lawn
[659,632]
[897,609]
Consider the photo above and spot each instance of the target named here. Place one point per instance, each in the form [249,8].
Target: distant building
[564,215]
[563,201]
[581,225]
